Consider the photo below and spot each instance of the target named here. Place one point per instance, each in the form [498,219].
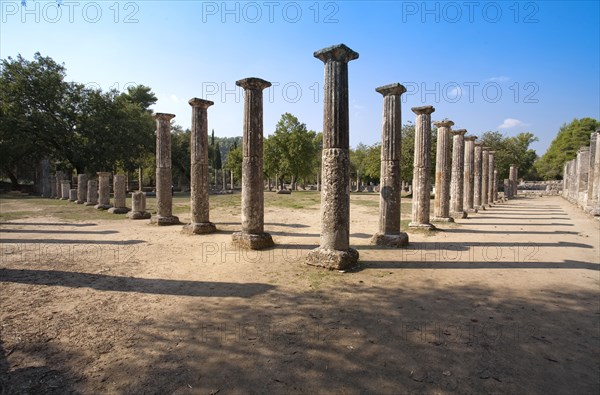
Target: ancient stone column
[573,180]
[53,192]
[595,204]
[73,195]
[138,206]
[92,193]
[507,189]
[103,191]
[582,175]
[65,186]
[590,199]
[253,235]
[491,168]
[120,195]
[512,175]
[389,233]
[495,186]
[334,251]
[443,169]
[82,184]
[457,181]
[46,189]
[565,173]
[477,176]
[200,223]
[58,184]
[468,175]
[421,168]
[485,174]
[164,178]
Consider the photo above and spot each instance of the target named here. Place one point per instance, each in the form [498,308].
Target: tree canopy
[511,150]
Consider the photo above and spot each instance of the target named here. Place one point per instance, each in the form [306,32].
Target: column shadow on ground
[66,232]
[66,241]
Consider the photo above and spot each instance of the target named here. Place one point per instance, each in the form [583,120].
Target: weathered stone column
[477,176]
[582,175]
[443,168]
[390,188]
[595,204]
[58,184]
[46,189]
[507,189]
[138,206]
[164,178]
[457,182]
[485,174]
[200,223]
[421,168]
[73,195]
[495,186]
[468,175]
[92,193]
[512,176]
[573,180]
[334,251]
[590,199]
[491,168]
[53,192]
[103,191]
[82,184]
[65,187]
[565,179]
[253,235]
[120,195]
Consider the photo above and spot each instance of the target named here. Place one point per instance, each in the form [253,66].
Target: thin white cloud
[358,107]
[511,123]
[501,78]
[174,98]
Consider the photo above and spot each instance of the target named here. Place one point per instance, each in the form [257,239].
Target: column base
[252,241]
[595,211]
[90,203]
[471,210]
[164,221]
[442,219]
[103,206]
[461,215]
[416,225]
[118,210]
[386,240]
[80,201]
[332,259]
[199,228]
[139,215]
[480,208]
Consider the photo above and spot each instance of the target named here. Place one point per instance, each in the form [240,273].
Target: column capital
[253,83]
[478,144]
[336,53]
[470,138]
[196,102]
[164,116]
[459,132]
[492,152]
[446,123]
[104,173]
[485,148]
[391,89]
[423,110]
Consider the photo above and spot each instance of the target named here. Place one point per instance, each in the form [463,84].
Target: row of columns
[581,177]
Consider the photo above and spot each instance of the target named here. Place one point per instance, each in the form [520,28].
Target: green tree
[511,150]
[234,162]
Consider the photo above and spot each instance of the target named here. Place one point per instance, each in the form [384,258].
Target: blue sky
[486,65]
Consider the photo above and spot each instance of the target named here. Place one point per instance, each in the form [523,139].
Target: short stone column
[591,198]
[138,206]
[164,178]
[82,185]
[103,191]
[200,223]
[73,195]
[491,168]
[421,168]
[485,175]
[457,181]
[120,195]
[53,192]
[334,251]
[46,189]
[595,204]
[582,175]
[389,233]
[58,184]
[507,189]
[477,155]
[253,235]
[468,175]
[65,187]
[443,169]
[92,193]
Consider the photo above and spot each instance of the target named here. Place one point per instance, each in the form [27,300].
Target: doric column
[596,180]
[103,191]
[468,175]
[565,179]
[58,184]
[390,188]
[82,183]
[200,223]
[485,174]
[164,177]
[477,176]
[495,186]
[120,195]
[512,180]
[591,198]
[73,195]
[573,182]
[582,175]
[443,169]
[46,189]
[491,168]
[53,192]
[507,189]
[457,180]
[65,187]
[253,235]
[92,193]
[421,168]
[334,251]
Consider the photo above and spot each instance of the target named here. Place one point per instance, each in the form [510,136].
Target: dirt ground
[503,302]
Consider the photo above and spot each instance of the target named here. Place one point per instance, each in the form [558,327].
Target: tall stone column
[590,199]
[507,189]
[103,191]
[390,188]
[573,182]
[58,184]
[53,192]
[421,168]
[595,204]
[120,195]
[334,251]
[495,186]
[92,193]
[468,175]
[512,176]
[200,223]
[443,168]
[457,181]
[82,184]
[46,190]
[485,174]
[253,235]
[65,187]
[582,175]
[477,155]
[164,178]
[491,168]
